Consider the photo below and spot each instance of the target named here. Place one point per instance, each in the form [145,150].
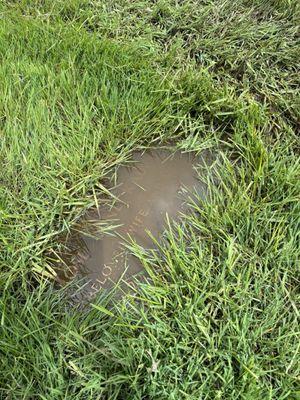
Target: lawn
[82,85]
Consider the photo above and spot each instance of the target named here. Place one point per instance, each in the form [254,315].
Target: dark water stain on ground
[157,183]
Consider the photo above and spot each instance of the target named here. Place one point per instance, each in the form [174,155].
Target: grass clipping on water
[82,85]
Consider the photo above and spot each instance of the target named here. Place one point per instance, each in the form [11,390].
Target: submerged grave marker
[157,183]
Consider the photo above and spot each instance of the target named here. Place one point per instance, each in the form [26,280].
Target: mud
[155,184]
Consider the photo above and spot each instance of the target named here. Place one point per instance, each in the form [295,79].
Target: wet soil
[154,185]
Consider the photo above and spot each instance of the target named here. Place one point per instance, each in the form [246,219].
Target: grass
[83,83]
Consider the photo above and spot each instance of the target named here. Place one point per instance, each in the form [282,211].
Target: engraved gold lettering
[138,219]
[144,213]
[94,286]
[106,267]
[102,282]
[130,229]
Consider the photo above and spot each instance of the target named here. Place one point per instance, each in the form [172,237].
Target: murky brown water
[159,182]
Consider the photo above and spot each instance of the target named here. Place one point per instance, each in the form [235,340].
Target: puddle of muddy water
[155,184]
